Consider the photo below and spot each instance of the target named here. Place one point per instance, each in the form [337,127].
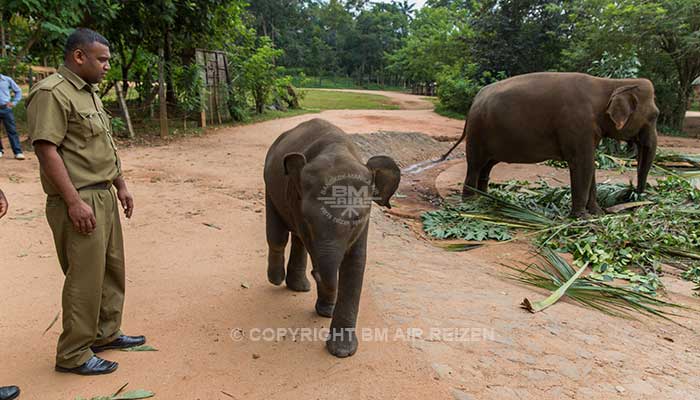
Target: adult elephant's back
[520,119]
[515,120]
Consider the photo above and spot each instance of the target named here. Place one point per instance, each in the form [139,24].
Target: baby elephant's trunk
[325,273]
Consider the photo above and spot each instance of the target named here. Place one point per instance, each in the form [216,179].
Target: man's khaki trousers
[93,291]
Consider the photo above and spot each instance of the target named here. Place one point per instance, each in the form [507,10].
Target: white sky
[418,3]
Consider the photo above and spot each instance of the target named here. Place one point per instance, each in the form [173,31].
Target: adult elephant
[318,189]
[558,116]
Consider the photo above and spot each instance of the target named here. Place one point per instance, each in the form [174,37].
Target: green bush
[455,90]
[286,95]
[615,66]
[118,125]
[458,86]
[260,73]
[695,105]
[188,81]
[237,102]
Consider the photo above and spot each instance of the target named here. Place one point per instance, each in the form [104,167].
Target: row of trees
[464,44]
[34,32]
[460,44]
[341,38]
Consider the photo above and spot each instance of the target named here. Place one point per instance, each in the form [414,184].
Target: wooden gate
[217,82]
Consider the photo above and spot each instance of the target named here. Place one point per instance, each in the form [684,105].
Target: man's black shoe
[122,342]
[9,392]
[93,366]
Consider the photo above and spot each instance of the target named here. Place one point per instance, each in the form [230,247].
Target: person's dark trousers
[8,118]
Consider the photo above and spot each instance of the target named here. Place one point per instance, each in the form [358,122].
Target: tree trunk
[2,34]
[125,76]
[125,110]
[162,96]
[688,70]
[32,40]
[168,56]
[126,67]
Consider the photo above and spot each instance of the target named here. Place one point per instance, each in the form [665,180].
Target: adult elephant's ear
[293,163]
[387,176]
[623,102]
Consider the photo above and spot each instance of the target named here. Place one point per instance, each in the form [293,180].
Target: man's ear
[78,56]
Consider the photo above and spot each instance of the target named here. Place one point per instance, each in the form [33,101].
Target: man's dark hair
[82,37]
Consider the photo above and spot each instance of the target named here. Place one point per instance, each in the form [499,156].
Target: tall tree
[436,39]
[664,35]
[519,36]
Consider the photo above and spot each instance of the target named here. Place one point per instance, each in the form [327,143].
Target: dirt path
[190,285]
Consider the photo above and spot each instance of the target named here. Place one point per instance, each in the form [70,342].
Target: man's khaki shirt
[66,111]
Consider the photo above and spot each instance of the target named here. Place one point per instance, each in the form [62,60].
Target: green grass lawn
[332,100]
[339,82]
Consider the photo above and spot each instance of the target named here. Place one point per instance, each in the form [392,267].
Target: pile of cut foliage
[614,155]
[660,227]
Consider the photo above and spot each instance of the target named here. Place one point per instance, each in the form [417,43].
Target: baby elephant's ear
[293,163]
[387,176]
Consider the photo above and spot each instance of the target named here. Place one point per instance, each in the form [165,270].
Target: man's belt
[98,186]
[3,106]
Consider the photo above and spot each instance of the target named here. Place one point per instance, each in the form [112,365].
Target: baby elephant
[318,189]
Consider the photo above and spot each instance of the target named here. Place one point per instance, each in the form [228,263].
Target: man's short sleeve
[17,90]
[47,118]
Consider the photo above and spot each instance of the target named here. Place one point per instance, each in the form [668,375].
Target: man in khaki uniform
[71,133]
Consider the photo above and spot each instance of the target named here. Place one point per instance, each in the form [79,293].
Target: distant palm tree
[407,8]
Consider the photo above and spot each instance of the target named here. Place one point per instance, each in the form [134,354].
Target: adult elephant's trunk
[645,156]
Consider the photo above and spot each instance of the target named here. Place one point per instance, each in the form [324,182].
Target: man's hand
[83,218]
[9,104]
[127,201]
[3,204]
[124,196]
[79,212]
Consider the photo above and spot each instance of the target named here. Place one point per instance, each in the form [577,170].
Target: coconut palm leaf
[554,274]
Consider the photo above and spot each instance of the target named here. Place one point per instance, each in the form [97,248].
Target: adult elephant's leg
[592,205]
[342,339]
[475,164]
[277,237]
[578,143]
[296,268]
[581,170]
[483,184]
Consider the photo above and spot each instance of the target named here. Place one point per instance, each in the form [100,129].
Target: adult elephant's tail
[464,134]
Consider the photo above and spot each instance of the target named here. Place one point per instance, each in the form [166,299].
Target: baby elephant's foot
[342,342]
[298,282]
[275,274]
[324,309]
